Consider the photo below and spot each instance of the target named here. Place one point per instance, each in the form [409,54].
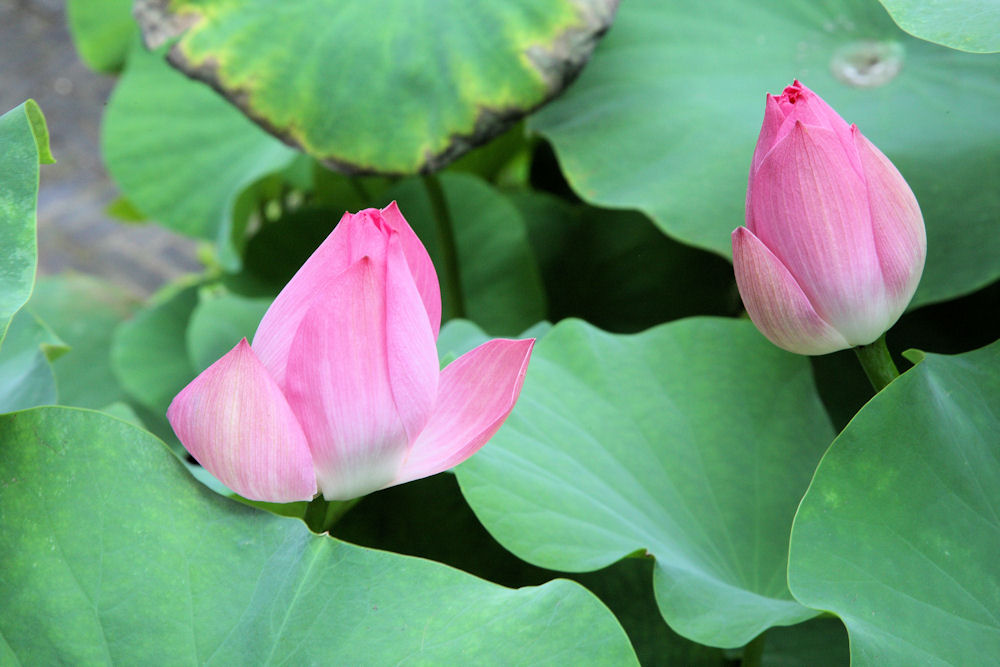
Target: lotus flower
[834,242]
[341,390]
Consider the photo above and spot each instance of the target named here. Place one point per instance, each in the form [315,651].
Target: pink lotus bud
[341,390]
[834,242]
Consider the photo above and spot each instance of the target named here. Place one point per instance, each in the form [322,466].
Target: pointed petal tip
[394,217]
[277,328]
[513,347]
[421,266]
[478,391]
[776,303]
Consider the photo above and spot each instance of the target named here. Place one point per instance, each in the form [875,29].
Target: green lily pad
[393,86]
[132,557]
[900,529]
[665,117]
[24,144]
[26,377]
[148,352]
[500,281]
[693,441]
[84,311]
[183,156]
[102,31]
[967,25]
[430,519]
[218,323]
[124,412]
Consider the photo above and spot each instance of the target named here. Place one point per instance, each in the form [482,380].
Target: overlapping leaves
[900,529]
[350,82]
[183,156]
[664,118]
[692,441]
[125,562]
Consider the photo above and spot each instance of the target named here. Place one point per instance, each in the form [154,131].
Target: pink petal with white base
[340,389]
[776,303]
[810,208]
[478,390]
[898,226]
[235,421]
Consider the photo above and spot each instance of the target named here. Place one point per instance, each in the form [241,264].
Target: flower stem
[321,514]
[753,653]
[877,362]
[446,244]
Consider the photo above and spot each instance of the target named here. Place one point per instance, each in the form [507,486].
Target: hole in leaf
[867,63]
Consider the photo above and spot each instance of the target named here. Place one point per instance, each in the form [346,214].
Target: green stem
[753,653]
[322,514]
[877,362]
[446,243]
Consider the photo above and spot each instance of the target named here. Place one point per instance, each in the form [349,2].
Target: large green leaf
[102,31]
[26,377]
[429,518]
[393,86]
[24,143]
[181,154]
[899,532]
[148,353]
[84,312]
[501,285]
[967,25]
[113,554]
[665,117]
[694,441]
